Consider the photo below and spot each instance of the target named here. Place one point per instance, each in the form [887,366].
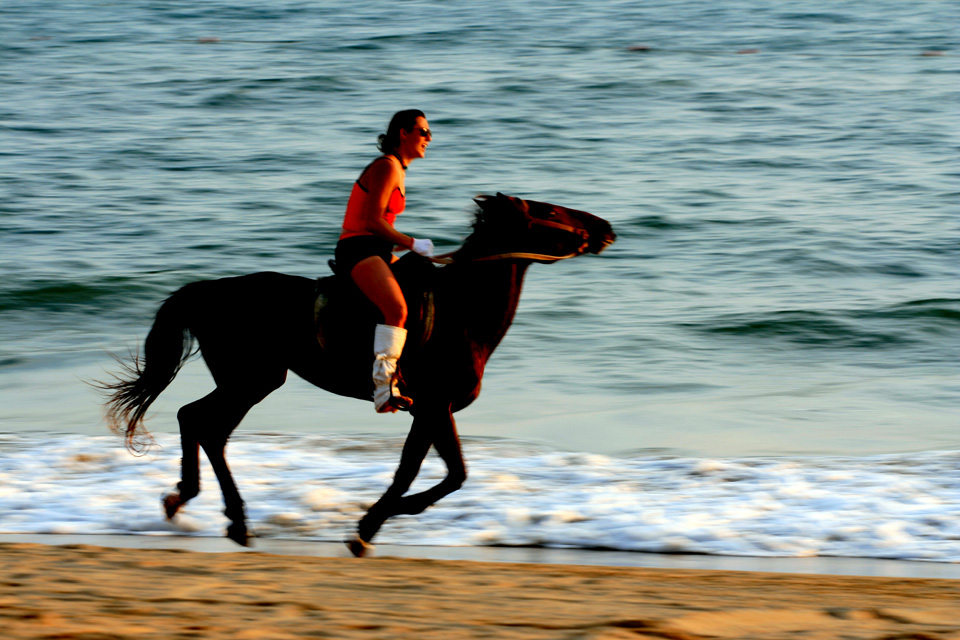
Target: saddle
[344,317]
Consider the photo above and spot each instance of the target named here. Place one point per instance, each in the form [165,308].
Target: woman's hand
[423,247]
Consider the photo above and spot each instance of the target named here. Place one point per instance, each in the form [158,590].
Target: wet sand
[823,565]
[86,592]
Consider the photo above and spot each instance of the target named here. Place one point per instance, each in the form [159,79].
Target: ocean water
[777,324]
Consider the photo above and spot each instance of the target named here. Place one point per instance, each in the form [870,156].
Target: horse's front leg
[430,427]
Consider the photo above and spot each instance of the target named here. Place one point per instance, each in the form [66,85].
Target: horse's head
[510,227]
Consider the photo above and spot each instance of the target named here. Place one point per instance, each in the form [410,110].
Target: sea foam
[307,487]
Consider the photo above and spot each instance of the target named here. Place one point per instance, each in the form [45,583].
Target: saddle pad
[326,297]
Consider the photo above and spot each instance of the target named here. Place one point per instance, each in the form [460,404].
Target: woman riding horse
[366,245]
[474,298]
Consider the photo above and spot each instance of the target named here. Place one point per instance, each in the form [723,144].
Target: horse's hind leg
[208,423]
[215,448]
[189,485]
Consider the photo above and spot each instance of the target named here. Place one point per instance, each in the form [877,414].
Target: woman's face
[413,143]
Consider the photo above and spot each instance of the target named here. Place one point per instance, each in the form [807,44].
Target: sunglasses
[424,133]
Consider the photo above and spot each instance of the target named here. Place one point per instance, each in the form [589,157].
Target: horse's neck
[489,301]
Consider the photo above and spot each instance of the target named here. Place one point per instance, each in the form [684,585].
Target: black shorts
[355,249]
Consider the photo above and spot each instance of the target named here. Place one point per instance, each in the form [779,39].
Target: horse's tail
[167,347]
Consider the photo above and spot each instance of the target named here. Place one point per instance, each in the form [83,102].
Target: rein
[447,258]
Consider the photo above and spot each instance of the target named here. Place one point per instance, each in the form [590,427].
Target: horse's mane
[492,226]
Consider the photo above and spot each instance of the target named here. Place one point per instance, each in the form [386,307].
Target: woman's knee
[395,312]
[392,306]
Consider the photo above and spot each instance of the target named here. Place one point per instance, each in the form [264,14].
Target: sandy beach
[85,592]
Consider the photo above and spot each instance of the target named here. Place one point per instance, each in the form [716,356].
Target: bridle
[447,258]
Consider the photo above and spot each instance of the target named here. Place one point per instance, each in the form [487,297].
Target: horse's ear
[519,203]
[482,200]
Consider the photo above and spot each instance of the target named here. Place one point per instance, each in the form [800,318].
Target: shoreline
[87,592]
[819,565]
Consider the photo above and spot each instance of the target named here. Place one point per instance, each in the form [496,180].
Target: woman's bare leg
[376,281]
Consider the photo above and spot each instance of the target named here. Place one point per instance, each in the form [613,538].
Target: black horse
[253,329]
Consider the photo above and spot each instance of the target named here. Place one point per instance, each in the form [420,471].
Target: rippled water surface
[782,176]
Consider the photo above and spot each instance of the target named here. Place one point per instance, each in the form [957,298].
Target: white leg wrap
[387,346]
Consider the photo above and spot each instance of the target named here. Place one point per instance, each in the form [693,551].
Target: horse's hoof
[239,534]
[171,504]
[358,546]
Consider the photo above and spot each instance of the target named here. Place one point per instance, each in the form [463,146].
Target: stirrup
[400,403]
[386,395]
[393,403]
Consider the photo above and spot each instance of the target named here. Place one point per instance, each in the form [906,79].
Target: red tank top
[353,222]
